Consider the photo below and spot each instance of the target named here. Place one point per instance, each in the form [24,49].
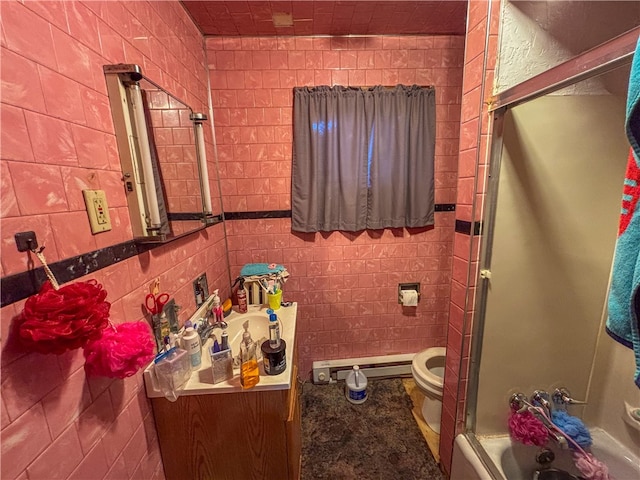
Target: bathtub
[499,458]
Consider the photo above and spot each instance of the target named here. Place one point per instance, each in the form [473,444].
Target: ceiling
[310,17]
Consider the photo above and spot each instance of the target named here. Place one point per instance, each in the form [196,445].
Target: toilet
[427,369]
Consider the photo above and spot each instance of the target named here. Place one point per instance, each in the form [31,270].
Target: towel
[251,269]
[624,294]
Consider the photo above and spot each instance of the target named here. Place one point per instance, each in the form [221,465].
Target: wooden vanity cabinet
[241,436]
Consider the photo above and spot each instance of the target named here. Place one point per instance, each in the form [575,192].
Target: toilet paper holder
[408,286]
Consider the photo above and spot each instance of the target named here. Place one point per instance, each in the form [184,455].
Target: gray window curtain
[363,159]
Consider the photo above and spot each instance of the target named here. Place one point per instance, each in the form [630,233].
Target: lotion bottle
[191,343]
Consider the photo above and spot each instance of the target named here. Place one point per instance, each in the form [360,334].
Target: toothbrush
[264,287]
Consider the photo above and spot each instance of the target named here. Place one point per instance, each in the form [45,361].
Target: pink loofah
[526,428]
[120,351]
[590,466]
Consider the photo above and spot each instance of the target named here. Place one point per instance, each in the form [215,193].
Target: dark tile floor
[377,440]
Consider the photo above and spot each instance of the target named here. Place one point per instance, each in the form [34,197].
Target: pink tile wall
[472,168]
[345,283]
[57,139]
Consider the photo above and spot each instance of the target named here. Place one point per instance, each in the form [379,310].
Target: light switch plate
[98,210]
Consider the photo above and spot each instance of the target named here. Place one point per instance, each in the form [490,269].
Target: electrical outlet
[96,202]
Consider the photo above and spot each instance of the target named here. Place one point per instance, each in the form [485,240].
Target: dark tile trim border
[14,288]
[257,215]
[463,226]
[445,207]
[184,216]
[439,207]
[22,285]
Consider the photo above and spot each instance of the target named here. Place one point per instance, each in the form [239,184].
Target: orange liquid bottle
[249,371]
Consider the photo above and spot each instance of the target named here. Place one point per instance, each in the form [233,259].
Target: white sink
[258,327]
[201,381]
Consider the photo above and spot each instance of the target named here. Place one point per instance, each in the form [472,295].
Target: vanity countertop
[201,380]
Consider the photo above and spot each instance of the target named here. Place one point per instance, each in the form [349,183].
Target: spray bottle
[242,297]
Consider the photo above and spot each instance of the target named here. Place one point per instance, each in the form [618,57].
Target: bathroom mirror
[162,152]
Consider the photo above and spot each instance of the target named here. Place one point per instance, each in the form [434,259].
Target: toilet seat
[422,375]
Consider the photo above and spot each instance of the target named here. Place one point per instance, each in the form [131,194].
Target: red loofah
[528,429]
[54,321]
[120,352]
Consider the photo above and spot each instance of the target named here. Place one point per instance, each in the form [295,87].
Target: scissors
[155,303]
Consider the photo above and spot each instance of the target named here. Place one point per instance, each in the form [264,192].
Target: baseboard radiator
[329,371]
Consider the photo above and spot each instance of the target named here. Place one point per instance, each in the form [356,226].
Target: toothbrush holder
[274,299]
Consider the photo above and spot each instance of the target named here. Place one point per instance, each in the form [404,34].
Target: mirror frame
[142,186]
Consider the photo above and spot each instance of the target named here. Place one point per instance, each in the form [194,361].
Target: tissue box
[173,370]
[221,365]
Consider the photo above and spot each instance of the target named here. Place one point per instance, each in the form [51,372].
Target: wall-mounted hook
[26,241]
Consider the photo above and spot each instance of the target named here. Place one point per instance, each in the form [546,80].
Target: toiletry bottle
[274,331]
[249,372]
[165,326]
[224,340]
[242,297]
[199,295]
[218,314]
[191,343]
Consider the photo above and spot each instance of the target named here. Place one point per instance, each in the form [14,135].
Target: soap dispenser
[249,372]
[218,314]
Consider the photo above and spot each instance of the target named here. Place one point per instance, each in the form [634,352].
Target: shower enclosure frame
[601,59]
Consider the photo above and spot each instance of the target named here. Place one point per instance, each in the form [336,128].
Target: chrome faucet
[211,319]
[540,398]
[221,324]
[562,397]
[553,433]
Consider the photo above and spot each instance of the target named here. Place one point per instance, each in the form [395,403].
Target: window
[363,158]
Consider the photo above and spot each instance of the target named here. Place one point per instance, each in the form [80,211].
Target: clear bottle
[165,326]
[274,331]
[249,371]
